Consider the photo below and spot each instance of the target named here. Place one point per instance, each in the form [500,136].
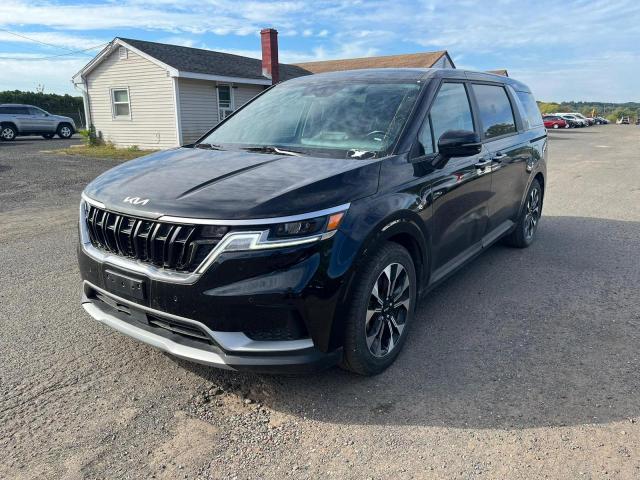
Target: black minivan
[301,231]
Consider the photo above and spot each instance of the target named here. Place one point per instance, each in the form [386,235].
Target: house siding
[151,101]
[443,63]
[199,105]
[244,93]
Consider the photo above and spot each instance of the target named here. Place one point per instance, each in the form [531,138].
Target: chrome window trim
[232,342]
[258,241]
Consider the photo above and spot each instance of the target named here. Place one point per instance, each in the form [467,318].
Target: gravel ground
[523,365]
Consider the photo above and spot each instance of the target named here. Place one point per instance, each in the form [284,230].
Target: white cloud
[61,39]
[532,39]
[25,73]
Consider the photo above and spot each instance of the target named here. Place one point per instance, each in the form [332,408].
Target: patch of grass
[106,151]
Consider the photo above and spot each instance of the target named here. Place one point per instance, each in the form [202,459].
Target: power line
[33,39]
[72,52]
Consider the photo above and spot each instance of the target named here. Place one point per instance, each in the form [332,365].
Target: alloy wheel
[388,309]
[65,132]
[532,214]
[8,134]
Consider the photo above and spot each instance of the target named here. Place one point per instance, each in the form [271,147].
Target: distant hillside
[612,111]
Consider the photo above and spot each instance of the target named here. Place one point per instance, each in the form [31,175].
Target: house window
[120,103]
[225,101]
[122,51]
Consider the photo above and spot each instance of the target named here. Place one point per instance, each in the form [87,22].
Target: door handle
[482,163]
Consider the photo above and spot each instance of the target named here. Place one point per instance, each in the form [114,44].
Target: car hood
[190,182]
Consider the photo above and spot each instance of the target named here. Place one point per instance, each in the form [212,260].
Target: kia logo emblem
[136,200]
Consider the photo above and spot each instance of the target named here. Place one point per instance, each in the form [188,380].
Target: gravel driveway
[523,365]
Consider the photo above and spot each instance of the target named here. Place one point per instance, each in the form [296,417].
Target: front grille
[168,245]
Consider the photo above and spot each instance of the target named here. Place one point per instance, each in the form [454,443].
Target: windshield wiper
[273,149]
[208,146]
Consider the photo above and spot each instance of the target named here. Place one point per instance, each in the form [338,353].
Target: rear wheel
[555,125]
[528,220]
[381,310]
[65,131]
[8,132]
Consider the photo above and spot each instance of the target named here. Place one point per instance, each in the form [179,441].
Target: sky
[563,49]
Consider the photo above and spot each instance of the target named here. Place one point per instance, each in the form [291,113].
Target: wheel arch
[403,227]
[64,122]
[10,124]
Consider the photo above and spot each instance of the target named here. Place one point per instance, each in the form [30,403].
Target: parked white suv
[16,119]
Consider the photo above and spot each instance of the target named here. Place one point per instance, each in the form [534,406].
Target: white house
[155,95]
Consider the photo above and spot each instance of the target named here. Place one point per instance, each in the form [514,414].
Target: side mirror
[459,143]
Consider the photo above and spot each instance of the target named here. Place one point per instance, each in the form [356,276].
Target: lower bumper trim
[182,351]
[285,362]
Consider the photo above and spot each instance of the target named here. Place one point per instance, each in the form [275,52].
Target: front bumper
[226,350]
[270,309]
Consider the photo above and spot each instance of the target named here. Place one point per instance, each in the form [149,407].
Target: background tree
[67,105]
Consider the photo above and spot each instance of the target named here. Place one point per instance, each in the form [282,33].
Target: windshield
[324,118]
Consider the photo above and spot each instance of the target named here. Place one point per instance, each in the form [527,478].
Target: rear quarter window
[496,113]
[531,114]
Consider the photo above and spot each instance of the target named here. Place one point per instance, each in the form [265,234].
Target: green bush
[89,137]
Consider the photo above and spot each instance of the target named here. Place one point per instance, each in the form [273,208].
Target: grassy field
[104,151]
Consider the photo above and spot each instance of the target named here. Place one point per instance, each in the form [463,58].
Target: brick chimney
[269,39]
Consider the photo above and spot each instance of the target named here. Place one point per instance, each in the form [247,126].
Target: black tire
[8,133]
[65,131]
[358,356]
[48,136]
[525,232]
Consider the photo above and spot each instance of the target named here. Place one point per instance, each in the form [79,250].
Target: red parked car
[553,121]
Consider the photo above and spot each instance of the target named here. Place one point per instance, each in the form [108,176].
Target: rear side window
[12,110]
[532,117]
[495,110]
[450,111]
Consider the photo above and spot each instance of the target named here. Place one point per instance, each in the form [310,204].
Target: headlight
[307,227]
[279,235]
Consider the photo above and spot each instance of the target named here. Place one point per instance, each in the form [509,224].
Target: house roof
[211,65]
[503,72]
[197,60]
[411,60]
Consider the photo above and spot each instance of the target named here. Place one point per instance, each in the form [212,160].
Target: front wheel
[65,131]
[8,133]
[382,305]
[527,223]
[555,125]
